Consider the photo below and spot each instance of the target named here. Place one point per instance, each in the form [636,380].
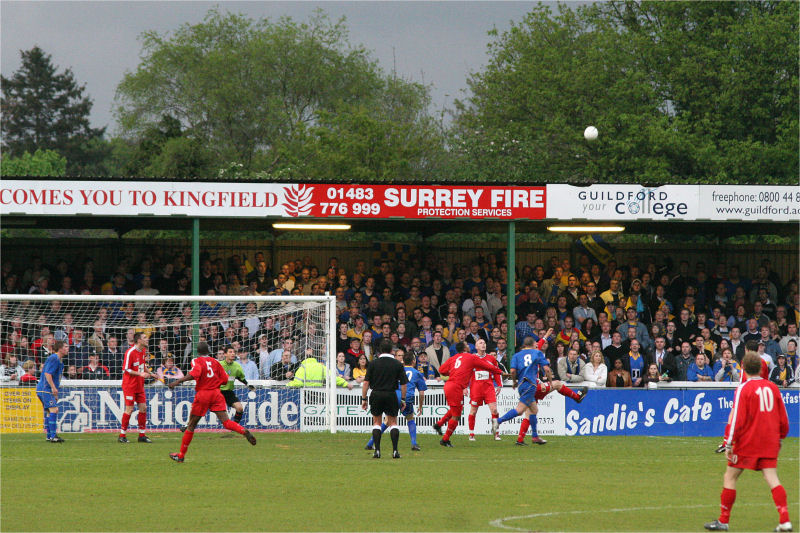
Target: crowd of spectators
[620,325]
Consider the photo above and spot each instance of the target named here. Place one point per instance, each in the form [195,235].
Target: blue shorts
[409,408]
[527,392]
[47,399]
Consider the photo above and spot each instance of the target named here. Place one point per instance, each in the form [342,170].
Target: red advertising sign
[419,201]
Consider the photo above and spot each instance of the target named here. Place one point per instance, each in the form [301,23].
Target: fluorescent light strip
[586,229]
[296,225]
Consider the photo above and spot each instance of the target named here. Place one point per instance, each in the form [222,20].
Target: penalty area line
[499,523]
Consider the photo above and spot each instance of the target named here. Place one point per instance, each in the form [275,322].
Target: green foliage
[680,91]
[279,98]
[309,480]
[41,163]
[43,109]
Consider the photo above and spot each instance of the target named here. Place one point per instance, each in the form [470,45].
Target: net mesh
[100,331]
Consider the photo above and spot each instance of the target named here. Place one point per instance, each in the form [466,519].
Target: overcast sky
[438,43]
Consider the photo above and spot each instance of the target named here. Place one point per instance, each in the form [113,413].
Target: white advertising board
[749,202]
[622,202]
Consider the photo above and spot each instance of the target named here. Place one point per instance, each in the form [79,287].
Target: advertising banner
[417,201]
[622,202]
[749,202]
[131,198]
[351,418]
[676,412]
[100,408]
[20,410]
[228,199]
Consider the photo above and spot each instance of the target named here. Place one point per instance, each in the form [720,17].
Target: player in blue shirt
[525,368]
[47,389]
[416,382]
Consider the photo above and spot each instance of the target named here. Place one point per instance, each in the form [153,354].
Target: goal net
[270,335]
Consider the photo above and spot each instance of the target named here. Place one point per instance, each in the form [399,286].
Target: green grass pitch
[324,482]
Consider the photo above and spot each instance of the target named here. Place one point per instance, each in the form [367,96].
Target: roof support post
[195,283]
[511,275]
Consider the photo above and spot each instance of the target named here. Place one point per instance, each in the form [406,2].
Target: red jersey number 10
[765,399]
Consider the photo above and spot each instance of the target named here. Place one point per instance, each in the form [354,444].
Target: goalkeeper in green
[235,371]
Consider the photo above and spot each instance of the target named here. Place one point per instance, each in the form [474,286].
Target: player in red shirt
[459,368]
[758,424]
[750,346]
[483,389]
[134,372]
[208,375]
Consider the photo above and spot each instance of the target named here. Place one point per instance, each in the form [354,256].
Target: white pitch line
[499,522]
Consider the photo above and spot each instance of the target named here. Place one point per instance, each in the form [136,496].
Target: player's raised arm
[186,377]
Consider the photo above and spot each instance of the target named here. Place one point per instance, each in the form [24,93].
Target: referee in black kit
[384,373]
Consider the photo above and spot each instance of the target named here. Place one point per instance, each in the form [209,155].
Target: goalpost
[99,329]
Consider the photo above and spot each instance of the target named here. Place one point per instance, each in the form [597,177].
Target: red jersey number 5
[210,370]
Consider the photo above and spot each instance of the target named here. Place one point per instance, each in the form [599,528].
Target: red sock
[451,427]
[233,426]
[779,497]
[569,393]
[187,438]
[726,500]
[142,418]
[523,429]
[444,419]
[126,420]
[471,421]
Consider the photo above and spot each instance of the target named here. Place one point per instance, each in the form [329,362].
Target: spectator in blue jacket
[699,370]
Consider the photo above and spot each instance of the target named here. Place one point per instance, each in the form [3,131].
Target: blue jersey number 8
[528,359]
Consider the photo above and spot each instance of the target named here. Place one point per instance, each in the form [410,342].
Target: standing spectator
[782,375]
[112,355]
[29,377]
[168,371]
[652,376]
[771,347]
[619,377]
[249,367]
[94,370]
[683,361]
[685,328]
[437,352]
[11,370]
[284,369]
[342,368]
[360,370]
[615,350]
[596,370]
[570,367]
[699,370]
[726,368]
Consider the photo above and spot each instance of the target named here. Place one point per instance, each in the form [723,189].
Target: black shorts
[230,397]
[383,402]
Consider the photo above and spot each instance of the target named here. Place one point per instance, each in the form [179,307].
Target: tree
[679,91]
[43,109]
[42,163]
[260,94]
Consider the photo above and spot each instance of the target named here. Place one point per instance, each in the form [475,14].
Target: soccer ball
[590,133]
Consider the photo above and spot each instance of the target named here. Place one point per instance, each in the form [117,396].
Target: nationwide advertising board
[438,202]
